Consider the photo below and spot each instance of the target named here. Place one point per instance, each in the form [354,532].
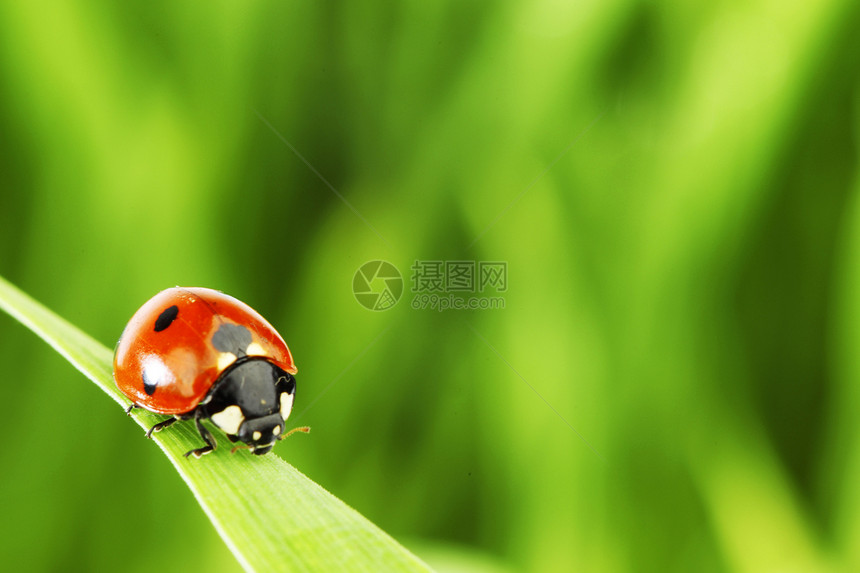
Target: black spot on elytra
[166,318]
[232,338]
[148,384]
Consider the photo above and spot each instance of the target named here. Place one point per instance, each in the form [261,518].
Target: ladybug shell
[176,346]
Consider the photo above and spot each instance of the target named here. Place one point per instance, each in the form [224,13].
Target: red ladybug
[198,353]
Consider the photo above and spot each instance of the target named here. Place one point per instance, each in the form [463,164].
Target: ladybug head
[262,433]
[250,402]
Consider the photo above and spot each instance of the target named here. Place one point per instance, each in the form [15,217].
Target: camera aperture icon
[377,285]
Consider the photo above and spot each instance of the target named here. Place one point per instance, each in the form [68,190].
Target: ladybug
[197,353]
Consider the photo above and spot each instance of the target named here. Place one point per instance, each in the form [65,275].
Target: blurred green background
[673,382]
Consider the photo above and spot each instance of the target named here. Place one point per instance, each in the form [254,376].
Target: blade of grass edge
[270,515]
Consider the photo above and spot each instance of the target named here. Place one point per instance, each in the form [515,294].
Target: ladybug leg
[205,434]
[160,426]
[130,408]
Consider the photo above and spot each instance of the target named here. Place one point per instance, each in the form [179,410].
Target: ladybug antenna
[302,429]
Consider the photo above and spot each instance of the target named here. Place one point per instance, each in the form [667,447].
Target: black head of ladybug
[250,402]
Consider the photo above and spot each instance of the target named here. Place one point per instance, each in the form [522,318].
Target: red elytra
[169,370]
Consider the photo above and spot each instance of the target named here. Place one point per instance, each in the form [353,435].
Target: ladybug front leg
[204,433]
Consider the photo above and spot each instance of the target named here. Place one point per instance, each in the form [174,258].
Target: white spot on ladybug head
[286,405]
[256,435]
[225,359]
[229,419]
[276,430]
[255,349]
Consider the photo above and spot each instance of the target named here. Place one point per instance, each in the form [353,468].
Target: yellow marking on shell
[225,359]
[229,419]
[255,349]
[256,436]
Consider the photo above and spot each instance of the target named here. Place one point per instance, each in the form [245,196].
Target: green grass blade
[271,516]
